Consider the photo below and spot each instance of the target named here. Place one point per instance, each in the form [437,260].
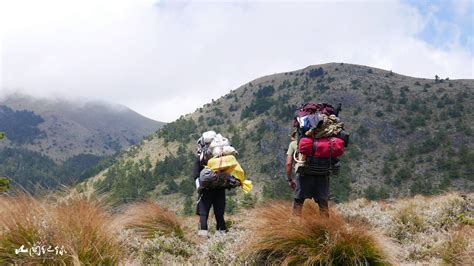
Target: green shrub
[179,130]
[231,205]
[248,201]
[171,186]
[4,184]
[422,185]
[316,72]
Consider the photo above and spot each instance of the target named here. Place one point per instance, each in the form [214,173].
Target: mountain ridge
[53,142]
[80,123]
[408,133]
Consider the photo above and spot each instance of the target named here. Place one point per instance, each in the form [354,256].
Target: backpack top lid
[310,108]
[314,108]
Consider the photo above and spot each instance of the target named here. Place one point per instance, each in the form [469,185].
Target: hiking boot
[221,232]
[203,234]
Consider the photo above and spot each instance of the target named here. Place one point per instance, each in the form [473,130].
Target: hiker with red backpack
[320,141]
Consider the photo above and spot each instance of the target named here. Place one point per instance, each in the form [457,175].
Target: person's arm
[197,167]
[289,167]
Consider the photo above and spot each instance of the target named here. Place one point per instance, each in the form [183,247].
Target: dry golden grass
[22,222]
[148,219]
[280,238]
[84,227]
[457,250]
[80,225]
[408,221]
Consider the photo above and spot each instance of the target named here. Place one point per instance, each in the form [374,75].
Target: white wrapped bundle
[219,141]
[217,151]
[208,136]
[228,150]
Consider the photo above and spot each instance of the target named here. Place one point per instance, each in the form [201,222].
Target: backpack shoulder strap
[330,152]
[313,149]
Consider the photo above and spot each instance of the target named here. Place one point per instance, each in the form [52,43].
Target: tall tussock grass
[23,221]
[311,239]
[82,227]
[148,219]
[459,247]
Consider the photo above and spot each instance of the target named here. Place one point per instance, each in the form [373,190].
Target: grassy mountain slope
[409,135]
[53,142]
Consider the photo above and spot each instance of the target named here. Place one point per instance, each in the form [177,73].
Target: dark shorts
[316,187]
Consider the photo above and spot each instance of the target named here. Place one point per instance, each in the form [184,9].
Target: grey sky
[166,59]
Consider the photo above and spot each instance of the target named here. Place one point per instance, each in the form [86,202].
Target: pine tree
[4,182]
[188,206]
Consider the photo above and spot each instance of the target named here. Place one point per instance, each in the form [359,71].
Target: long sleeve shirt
[197,167]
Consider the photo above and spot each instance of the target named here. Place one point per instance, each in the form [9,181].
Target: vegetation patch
[20,126]
[311,239]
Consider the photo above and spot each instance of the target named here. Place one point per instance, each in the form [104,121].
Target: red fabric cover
[305,146]
[311,108]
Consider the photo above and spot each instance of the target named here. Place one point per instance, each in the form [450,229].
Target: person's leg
[203,222]
[203,208]
[299,196]
[322,194]
[323,207]
[298,206]
[219,209]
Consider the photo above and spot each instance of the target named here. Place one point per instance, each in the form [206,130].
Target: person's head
[293,134]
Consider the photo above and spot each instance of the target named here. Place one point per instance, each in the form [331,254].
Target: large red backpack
[329,147]
[322,155]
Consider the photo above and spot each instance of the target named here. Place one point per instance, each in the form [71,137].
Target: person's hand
[292,185]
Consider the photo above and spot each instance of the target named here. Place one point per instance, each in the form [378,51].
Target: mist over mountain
[44,135]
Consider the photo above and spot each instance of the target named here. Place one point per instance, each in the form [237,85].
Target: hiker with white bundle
[320,141]
[215,170]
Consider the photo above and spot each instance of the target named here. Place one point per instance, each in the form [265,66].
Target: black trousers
[315,187]
[211,198]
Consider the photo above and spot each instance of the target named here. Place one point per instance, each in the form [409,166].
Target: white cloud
[168,59]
